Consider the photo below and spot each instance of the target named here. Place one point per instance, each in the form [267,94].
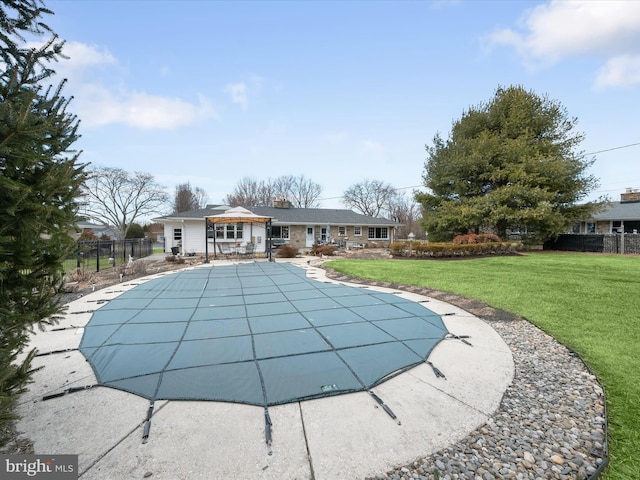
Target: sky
[211,92]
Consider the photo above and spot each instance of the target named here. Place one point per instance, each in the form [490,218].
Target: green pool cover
[258,333]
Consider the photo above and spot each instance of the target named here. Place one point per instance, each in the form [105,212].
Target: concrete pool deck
[346,436]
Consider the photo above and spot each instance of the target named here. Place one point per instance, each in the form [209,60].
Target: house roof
[238,215]
[289,216]
[198,214]
[620,211]
[96,227]
[319,216]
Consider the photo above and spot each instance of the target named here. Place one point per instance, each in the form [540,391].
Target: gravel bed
[551,423]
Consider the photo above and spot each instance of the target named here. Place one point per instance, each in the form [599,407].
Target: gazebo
[235,215]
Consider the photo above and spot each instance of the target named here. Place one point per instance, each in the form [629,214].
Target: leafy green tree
[39,183]
[509,164]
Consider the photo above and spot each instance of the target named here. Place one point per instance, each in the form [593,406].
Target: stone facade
[298,236]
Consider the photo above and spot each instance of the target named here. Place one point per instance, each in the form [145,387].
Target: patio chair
[249,250]
[224,249]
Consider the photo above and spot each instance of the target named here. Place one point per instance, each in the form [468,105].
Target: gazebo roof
[238,215]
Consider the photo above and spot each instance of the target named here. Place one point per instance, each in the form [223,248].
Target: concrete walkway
[342,437]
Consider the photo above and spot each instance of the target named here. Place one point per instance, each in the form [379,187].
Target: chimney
[280,202]
[630,195]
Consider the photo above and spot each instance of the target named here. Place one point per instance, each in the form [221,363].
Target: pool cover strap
[53,352]
[436,370]
[459,337]
[267,428]
[68,390]
[384,406]
[147,423]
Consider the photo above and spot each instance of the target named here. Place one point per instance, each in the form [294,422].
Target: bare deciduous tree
[116,198]
[407,211]
[300,191]
[187,198]
[371,197]
[248,192]
[304,193]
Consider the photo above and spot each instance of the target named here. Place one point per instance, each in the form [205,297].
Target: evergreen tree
[135,230]
[510,163]
[40,179]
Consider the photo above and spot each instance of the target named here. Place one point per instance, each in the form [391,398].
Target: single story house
[297,227]
[97,229]
[618,217]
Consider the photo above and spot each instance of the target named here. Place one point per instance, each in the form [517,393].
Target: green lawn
[89,264]
[590,303]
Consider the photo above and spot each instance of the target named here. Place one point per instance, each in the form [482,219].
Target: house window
[631,226]
[177,234]
[280,231]
[342,231]
[378,233]
[229,231]
[616,226]
[591,228]
[357,231]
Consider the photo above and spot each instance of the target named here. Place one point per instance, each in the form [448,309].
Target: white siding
[193,236]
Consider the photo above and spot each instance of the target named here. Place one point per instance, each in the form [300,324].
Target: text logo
[47,467]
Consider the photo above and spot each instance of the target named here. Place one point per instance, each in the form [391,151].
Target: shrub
[287,251]
[327,250]
[398,248]
[445,250]
[79,275]
[489,237]
[472,238]
[87,234]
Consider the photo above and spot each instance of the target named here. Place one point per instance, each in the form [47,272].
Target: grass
[590,303]
[89,264]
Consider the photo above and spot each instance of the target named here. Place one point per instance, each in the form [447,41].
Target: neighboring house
[618,217]
[156,232]
[97,229]
[297,227]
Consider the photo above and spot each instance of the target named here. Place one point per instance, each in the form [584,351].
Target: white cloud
[99,102]
[620,71]
[84,56]
[238,92]
[139,110]
[559,29]
[80,56]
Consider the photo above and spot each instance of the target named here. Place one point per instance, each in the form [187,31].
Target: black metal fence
[601,243]
[97,255]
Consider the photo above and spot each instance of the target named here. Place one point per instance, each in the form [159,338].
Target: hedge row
[432,249]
